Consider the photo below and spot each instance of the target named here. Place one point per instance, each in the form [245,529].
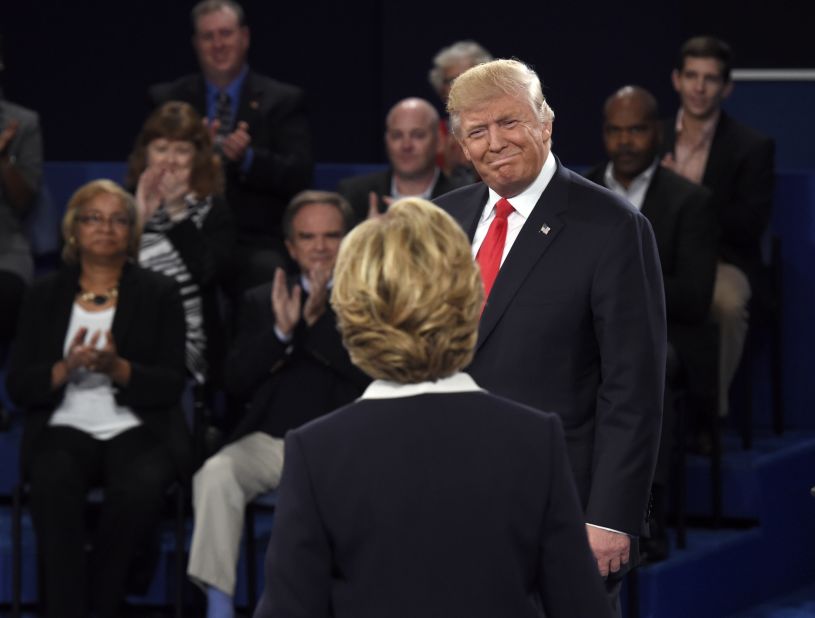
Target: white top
[637,188]
[89,404]
[385,389]
[523,203]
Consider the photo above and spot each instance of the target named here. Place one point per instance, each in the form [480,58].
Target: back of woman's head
[407,294]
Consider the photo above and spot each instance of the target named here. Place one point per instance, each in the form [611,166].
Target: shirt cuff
[281,337]
[608,529]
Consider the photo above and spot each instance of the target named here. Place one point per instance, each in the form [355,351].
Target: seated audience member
[412,143]
[428,496]
[20,176]
[260,129]
[684,225]
[448,64]
[98,368]
[289,363]
[188,231]
[708,147]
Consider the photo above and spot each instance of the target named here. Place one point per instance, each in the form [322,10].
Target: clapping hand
[234,145]
[286,305]
[317,300]
[373,204]
[7,134]
[161,186]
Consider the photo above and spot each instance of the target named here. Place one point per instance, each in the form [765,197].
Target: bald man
[684,225]
[412,143]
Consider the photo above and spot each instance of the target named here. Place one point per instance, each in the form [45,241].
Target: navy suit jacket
[281,139]
[686,231]
[436,505]
[575,324]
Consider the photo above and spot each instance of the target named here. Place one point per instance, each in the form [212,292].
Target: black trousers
[134,469]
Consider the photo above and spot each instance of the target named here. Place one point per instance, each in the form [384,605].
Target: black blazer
[575,324]
[740,172]
[149,331]
[437,505]
[685,229]
[281,139]
[286,385]
[356,189]
[207,254]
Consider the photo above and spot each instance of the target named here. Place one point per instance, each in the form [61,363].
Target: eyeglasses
[95,219]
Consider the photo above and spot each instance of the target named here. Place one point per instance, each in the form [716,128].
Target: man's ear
[464,149]
[675,79]
[289,248]
[728,89]
[547,131]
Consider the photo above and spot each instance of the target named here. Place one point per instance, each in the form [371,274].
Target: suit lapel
[462,210]
[125,305]
[66,292]
[536,236]
[650,204]
[719,153]
[250,102]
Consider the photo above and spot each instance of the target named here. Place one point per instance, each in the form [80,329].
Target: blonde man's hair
[482,83]
[85,194]
[407,294]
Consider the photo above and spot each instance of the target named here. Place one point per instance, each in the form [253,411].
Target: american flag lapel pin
[545,229]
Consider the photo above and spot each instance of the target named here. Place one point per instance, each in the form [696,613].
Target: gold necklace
[99,299]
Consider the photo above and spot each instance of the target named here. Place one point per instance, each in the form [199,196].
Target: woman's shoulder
[135,274]
[65,276]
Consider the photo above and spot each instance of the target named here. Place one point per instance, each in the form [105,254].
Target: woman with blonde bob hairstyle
[427,496]
[408,295]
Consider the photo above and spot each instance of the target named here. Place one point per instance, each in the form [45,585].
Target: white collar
[644,177]
[456,383]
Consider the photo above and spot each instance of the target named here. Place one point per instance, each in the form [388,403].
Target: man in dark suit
[261,130]
[426,497]
[708,147]
[289,364]
[574,322]
[684,225]
[413,141]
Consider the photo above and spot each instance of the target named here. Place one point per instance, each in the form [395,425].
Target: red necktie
[491,250]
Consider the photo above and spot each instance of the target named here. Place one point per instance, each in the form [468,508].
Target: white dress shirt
[637,188]
[523,203]
[385,389]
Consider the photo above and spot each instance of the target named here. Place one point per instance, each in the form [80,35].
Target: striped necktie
[223,113]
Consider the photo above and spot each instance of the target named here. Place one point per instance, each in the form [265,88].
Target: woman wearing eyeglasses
[98,368]
[188,230]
